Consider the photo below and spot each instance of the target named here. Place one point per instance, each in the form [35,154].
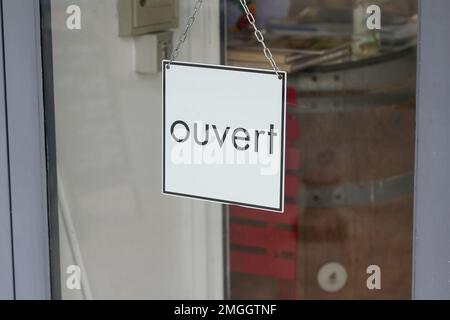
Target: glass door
[346,232]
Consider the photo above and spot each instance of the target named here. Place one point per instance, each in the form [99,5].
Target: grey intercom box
[137,17]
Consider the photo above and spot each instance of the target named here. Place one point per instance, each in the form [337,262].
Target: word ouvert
[241,138]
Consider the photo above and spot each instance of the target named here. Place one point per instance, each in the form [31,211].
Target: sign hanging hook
[251,19]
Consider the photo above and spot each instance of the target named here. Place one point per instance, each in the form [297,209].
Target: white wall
[131,241]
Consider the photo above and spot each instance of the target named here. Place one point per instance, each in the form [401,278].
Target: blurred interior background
[350,151]
[350,157]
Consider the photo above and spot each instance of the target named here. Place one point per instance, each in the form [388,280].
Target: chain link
[260,37]
[251,19]
[184,35]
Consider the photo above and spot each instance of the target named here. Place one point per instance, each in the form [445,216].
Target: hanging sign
[224,134]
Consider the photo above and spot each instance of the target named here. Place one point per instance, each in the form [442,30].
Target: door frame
[6,262]
[31,165]
[431,259]
[29,262]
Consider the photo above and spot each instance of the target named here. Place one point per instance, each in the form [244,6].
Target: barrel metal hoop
[330,104]
[367,193]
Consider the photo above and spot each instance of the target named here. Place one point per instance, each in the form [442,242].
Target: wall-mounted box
[149,51]
[137,17]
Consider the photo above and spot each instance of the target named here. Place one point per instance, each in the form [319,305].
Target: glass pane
[350,152]
[128,239]
[347,225]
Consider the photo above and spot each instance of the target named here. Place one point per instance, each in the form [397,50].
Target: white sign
[224,134]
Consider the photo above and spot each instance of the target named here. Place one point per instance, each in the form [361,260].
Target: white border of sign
[280,209]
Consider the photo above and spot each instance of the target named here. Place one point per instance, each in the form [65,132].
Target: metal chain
[184,35]
[259,36]
[251,19]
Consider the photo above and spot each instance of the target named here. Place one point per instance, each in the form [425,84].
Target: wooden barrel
[355,201]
